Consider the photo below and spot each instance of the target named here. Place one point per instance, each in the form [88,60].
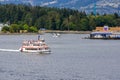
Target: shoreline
[48,31]
[68,32]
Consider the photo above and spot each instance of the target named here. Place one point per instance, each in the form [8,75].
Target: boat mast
[39,37]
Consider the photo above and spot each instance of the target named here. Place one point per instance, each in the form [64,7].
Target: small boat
[56,34]
[38,46]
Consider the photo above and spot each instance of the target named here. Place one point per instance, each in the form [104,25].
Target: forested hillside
[26,17]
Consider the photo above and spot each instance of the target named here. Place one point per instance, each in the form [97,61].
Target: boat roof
[98,33]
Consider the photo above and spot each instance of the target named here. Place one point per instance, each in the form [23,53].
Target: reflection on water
[72,58]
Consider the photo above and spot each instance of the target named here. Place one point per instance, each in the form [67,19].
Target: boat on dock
[35,46]
[104,34]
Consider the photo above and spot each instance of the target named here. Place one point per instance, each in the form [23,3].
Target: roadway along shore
[49,31]
[66,32]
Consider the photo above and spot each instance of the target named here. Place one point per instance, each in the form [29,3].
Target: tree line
[33,18]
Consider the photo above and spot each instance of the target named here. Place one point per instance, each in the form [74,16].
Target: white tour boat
[32,46]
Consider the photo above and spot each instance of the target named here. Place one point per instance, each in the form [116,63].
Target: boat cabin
[100,34]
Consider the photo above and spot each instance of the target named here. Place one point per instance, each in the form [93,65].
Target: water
[72,58]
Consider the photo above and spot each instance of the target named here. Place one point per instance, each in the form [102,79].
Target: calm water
[72,58]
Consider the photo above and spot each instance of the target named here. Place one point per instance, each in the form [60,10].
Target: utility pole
[94,9]
[118,10]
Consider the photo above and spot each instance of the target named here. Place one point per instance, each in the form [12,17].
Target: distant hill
[102,6]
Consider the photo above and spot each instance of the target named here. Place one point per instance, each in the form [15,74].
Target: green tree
[14,28]
[41,22]
[5,29]
[25,27]
[28,19]
[72,26]
[84,24]
[92,22]
[117,22]
[33,29]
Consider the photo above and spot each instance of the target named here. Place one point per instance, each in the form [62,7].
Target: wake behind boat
[9,50]
[32,46]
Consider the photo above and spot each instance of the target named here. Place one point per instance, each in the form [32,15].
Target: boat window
[36,45]
[31,49]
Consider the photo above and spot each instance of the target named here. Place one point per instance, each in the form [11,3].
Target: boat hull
[35,46]
[103,38]
[36,51]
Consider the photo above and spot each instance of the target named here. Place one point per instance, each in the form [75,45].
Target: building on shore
[106,28]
